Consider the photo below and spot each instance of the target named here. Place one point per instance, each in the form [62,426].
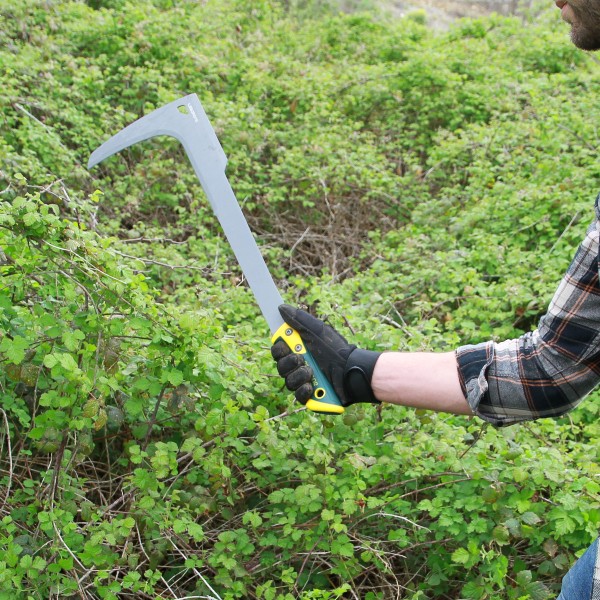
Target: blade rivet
[288,332]
[298,348]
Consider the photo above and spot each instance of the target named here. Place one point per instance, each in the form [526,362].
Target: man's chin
[584,39]
[585,24]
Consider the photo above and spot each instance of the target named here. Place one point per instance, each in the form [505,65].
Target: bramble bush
[419,190]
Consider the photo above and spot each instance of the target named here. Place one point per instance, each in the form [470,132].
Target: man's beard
[585,29]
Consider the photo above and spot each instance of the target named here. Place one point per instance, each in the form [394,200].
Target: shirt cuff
[473,362]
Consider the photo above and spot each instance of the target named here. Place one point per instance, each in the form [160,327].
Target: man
[544,373]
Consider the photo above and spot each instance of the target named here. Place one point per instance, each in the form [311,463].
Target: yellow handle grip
[324,399]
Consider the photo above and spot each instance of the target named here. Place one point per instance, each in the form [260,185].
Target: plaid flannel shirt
[546,372]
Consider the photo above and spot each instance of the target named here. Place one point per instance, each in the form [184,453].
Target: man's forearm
[421,380]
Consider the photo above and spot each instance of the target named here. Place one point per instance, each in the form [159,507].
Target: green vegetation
[420,190]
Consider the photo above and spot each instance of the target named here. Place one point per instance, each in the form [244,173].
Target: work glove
[347,368]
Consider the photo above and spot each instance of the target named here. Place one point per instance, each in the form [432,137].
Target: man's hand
[347,368]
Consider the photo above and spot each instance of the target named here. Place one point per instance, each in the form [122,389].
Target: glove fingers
[304,393]
[280,349]
[289,363]
[299,377]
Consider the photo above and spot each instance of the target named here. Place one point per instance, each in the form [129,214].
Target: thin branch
[392,516]
[149,261]
[198,574]
[10,461]
[152,241]
[152,421]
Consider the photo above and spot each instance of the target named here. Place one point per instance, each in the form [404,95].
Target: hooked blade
[186,120]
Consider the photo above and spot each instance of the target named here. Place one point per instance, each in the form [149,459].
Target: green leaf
[91,407]
[72,339]
[501,535]
[342,546]
[174,377]
[473,590]
[14,349]
[461,556]
[196,532]
[31,218]
[179,526]
[538,591]
[146,503]
[67,362]
[524,578]
[530,518]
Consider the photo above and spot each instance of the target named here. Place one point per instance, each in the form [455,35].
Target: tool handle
[324,400]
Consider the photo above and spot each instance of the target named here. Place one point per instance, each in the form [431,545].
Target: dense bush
[419,190]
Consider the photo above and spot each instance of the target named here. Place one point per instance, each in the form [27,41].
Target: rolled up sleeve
[546,372]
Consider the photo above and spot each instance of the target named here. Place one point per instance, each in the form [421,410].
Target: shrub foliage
[419,190]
